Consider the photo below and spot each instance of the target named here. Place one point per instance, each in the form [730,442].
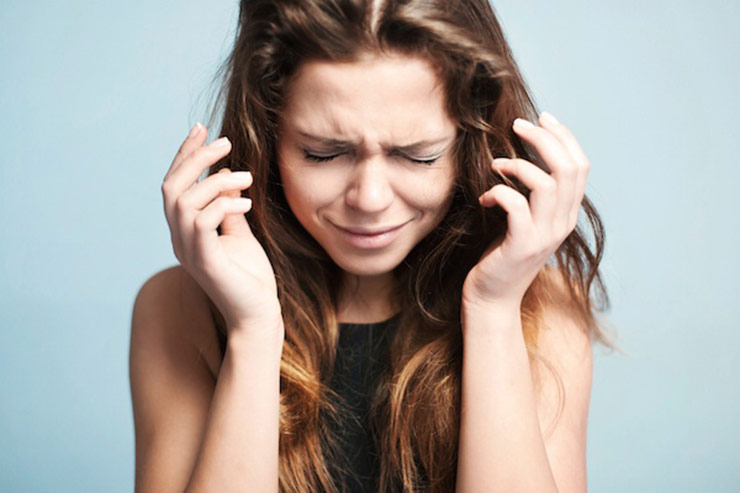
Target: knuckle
[196,154]
[181,204]
[563,130]
[200,222]
[549,184]
[520,202]
[570,169]
[181,150]
[196,157]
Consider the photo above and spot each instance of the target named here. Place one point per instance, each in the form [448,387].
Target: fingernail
[548,118]
[241,175]
[522,123]
[194,131]
[222,142]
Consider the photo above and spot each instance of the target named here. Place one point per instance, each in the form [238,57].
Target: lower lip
[371,241]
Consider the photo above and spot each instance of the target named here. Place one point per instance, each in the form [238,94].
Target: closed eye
[319,159]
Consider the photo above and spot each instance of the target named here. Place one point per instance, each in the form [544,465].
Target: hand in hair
[536,227]
[232,268]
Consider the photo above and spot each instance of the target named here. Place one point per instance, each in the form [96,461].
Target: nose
[370,190]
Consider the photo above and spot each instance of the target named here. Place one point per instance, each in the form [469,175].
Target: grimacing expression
[367,145]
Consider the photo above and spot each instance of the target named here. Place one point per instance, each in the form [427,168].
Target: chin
[368,266]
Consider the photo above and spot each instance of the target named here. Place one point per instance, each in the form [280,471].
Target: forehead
[388,97]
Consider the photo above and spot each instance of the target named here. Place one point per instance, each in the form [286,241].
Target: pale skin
[379,106]
[501,443]
[375,108]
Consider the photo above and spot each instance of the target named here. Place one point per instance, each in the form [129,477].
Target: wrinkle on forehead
[355,99]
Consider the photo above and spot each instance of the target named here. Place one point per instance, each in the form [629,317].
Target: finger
[205,191]
[198,134]
[191,168]
[542,199]
[185,212]
[565,136]
[206,222]
[234,224]
[515,204]
[568,140]
[557,158]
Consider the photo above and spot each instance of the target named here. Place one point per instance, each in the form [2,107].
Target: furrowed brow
[409,148]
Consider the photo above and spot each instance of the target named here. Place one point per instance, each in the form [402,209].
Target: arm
[502,447]
[187,431]
[240,447]
[501,444]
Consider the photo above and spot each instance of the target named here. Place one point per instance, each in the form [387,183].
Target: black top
[362,354]
[361,358]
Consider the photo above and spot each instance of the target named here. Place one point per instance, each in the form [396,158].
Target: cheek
[430,194]
[307,189]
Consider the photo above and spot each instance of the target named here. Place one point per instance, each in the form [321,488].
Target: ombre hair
[415,411]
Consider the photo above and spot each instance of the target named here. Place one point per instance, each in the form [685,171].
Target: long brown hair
[416,408]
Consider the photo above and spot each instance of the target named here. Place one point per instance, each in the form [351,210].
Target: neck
[366,299]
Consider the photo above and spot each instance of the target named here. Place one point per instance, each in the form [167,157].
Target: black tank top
[362,354]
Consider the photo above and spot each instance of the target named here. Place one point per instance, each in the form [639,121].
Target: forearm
[501,446]
[239,451]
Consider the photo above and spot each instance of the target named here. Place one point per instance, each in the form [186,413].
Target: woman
[378,223]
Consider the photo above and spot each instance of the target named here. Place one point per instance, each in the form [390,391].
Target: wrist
[490,319]
[265,345]
[257,331]
[498,308]
[269,318]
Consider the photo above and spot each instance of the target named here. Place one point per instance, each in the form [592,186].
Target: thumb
[234,224]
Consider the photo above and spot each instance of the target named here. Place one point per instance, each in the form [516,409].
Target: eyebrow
[409,148]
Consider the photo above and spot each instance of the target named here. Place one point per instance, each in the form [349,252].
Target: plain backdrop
[96,97]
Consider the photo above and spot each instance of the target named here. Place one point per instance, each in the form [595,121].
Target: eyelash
[321,159]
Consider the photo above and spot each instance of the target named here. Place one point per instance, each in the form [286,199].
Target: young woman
[403,303]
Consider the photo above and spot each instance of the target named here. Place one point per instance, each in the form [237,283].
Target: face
[364,148]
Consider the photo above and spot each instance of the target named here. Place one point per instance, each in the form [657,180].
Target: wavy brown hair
[415,411]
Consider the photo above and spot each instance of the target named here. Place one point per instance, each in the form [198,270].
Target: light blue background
[95,99]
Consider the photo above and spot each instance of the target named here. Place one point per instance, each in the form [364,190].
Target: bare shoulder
[176,305]
[563,379]
[173,357]
[563,332]
[564,338]
[564,341]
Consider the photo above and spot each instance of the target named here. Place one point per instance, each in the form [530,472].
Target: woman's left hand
[535,228]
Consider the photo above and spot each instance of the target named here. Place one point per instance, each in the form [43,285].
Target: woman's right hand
[232,268]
